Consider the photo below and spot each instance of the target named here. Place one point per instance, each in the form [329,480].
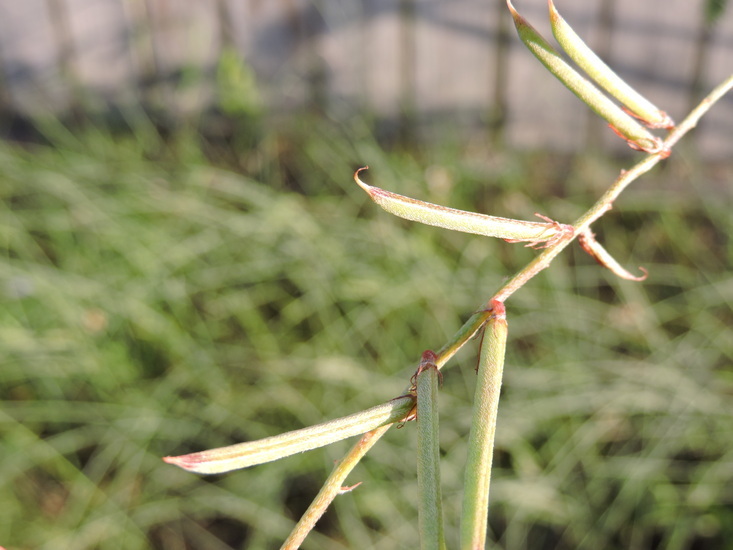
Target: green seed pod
[603,75]
[620,121]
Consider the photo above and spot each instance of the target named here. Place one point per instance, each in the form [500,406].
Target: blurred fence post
[498,102]
[409,63]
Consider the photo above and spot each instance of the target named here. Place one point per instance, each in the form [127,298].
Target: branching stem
[602,206]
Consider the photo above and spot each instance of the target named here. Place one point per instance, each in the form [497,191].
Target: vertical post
[408,64]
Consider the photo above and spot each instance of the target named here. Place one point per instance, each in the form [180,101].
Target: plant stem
[464,334]
[485,424]
[332,488]
[693,118]
[482,480]
[603,204]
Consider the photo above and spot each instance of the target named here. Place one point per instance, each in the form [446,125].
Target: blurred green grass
[157,302]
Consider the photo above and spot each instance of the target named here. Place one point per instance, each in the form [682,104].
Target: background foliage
[165,294]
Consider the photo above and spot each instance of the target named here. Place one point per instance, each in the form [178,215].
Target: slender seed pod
[483,429]
[602,74]
[251,453]
[588,242]
[430,510]
[466,222]
[624,124]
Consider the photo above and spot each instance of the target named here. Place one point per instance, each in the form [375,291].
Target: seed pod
[602,74]
[623,123]
[467,222]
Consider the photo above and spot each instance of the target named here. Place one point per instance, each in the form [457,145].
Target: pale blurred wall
[427,62]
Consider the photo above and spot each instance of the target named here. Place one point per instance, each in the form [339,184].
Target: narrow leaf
[474,516]
[604,75]
[624,124]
